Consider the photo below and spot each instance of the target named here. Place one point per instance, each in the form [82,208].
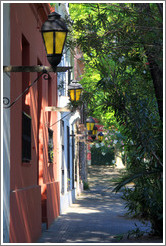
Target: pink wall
[30,182]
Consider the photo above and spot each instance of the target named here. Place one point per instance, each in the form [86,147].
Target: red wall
[22,228]
[37,180]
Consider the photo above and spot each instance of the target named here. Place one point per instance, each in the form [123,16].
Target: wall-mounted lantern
[90,122]
[100,137]
[94,132]
[74,90]
[54,32]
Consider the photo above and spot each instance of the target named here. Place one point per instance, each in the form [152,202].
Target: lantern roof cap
[54,15]
[74,85]
[90,120]
[54,23]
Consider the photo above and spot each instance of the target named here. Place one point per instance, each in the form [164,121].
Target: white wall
[65,198]
[6,124]
[68,197]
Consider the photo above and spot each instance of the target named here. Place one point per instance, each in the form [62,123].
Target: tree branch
[160,8]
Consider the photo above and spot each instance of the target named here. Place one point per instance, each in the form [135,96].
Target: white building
[68,147]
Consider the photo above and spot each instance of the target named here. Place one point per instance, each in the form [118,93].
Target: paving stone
[97,216]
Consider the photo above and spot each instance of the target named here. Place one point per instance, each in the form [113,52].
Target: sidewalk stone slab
[97,216]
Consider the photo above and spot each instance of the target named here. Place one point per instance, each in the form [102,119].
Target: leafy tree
[133,32]
[122,47]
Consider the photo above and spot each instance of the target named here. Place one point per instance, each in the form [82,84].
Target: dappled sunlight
[82,210]
[89,211]
[27,98]
[98,215]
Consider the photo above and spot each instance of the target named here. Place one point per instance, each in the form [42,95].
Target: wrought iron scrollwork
[6,100]
[46,76]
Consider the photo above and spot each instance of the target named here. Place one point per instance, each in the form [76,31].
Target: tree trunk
[160,8]
[156,72]
[157,77]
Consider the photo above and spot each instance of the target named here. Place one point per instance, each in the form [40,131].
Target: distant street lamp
[100,137]
[54,32]
[90,122]
[94,132]
[74,90]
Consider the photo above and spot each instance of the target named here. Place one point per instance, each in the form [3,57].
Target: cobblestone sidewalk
[98,215]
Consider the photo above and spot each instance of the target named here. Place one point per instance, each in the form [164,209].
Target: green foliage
[119,237]
[144,200]
[114,138]
[102,155]
[135,233]
[50,154]
[122,44]
[86,185]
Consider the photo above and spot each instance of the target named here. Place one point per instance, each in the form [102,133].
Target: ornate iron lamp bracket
[6,100]
[44,71]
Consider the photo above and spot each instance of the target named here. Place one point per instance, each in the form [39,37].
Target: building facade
[41,150]
[69,161]
[31,185]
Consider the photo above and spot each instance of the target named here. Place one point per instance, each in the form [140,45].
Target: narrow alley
[97,216]
[82,88]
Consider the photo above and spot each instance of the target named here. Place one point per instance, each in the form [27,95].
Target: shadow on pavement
[97,216]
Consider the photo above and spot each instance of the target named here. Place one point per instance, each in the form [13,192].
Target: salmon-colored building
[34,195]
[43,170]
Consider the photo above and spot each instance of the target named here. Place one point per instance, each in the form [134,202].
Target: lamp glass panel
[48,40]
[71,94]
[94,132]
[100,138]
[75,94]
[90,126]
[59,41]
[78,93]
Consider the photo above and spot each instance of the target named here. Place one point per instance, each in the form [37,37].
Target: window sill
[26,162]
